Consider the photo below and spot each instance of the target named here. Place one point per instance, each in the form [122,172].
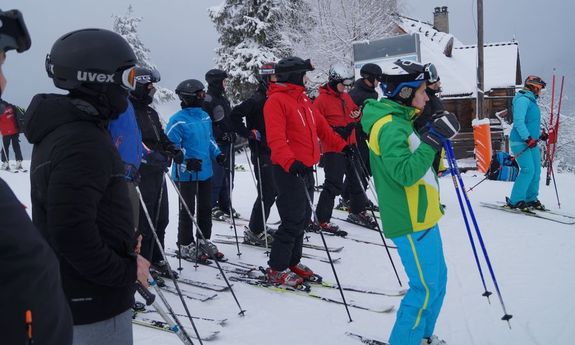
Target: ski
[305,245]
[203,285]
[236,270]
[228,220]
[354,223]
[365,290]
[188,294]
[366,340]
[164,326]
[532,213]
[304,255]
[558,213]
[219,322]
[369,242]
[260,282]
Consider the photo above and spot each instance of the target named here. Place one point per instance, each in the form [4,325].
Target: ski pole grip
[145,293]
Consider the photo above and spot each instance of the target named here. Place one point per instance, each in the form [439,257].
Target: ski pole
[379,230]
[366,175]
[185,205]
[326,248]
[556,135]
[171,273]
[230,184]
[176,327]
[251,169]
[260,190]
[451,157]
[549,144]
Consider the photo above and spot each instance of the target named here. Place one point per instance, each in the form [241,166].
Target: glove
[255,135]
[345,132]
[176,153]
[297,168]
[157,159]
[544,136]
[349,151]
[444,126]
[227,137]
[193,164]
[531,143]
[221,159]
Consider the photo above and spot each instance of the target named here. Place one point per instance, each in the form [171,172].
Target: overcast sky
[182,38]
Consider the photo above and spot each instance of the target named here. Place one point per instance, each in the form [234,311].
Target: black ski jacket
[31,280]
[153,135]
[253,110]
[80,204]
[361,92]
[217,105]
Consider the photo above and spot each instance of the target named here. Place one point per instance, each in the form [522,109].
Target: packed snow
[532,259]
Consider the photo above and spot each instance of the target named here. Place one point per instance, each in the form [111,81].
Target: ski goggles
[127,78]
[347,82]
[433,76]
[152,77]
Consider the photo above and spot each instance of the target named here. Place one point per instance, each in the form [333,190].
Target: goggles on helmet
[152,77]
[433,76]
[128,78]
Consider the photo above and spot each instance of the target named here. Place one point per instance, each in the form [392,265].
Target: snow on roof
[458,72]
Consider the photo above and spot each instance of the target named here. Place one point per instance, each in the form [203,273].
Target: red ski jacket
[8,122]
[336,108]
[293,126]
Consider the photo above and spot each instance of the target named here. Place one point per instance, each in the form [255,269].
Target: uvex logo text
[95,77]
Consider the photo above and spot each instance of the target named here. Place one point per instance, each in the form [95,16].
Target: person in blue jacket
[191,129]
[525,134]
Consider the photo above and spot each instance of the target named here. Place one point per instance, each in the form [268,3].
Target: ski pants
[295,213]
[526,186]
[262,165]
[221,179]
[134,202]
[422,257]
[114,331]
[336,165]
[155,195]
[15,140]
[362,163]
[190,191]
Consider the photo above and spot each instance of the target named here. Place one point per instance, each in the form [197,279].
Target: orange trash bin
[482,140]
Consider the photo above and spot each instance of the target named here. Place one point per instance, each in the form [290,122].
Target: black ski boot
[362,219]
[162,268]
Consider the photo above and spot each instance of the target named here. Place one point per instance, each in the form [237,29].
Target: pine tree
[127,27]
[250,35]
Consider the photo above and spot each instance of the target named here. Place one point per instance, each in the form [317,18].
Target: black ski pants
[295,214]
[220,194]
[155,195]
[190,191]
[362,163]
[262,162]
[15,140]
[336,165]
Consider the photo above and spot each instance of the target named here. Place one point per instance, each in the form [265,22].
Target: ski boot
[257,239]
[521,205]
[285,277]
[158,278]
[433,340]
[536,205]
[6,166]
[371,206]
[138,307]
[362,219]
[18,165]
[218,214]
[312,227]
[192,253]
[343,205]
[305,272]
[162,268]
[211,250]
[234,212]
[332,229]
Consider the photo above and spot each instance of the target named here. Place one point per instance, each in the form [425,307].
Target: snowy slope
[532,259]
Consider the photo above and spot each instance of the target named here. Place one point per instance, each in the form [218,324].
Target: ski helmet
[215,76]
[292,69]
[91,57]
[340,73]
[144,77]
[371,72]
[191,92]
[401,79]
[265,71]
[535,83]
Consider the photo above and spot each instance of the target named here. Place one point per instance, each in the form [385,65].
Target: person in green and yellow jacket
[408,193]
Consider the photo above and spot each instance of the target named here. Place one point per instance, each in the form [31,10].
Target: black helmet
[191,92]
[91,57]
[215,76]
[400,79]
[292,69]
[370,71]
[144,77]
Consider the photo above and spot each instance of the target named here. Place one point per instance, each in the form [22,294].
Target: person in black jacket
[218,107]
[79,196]
[157,158]
[255,131]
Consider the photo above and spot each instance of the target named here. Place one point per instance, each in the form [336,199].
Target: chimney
[441,19]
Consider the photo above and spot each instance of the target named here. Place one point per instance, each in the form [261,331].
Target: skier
[158,151]
[408,193]
[10,134]
[341,113]
[253,110]
[525,134]
[293,125]
[79,196]
[191,130]
[218,107]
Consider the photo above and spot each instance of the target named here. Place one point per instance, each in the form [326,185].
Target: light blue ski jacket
[526,117]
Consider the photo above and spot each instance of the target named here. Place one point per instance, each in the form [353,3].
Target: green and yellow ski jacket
[401,164]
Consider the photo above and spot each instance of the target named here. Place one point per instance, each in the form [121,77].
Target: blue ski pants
[526,186]
[422,257]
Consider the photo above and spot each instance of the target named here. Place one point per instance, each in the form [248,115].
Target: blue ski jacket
[191,130]
[127,138]
[526,117]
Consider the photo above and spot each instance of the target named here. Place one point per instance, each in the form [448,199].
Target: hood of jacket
[374,110]
[292,90]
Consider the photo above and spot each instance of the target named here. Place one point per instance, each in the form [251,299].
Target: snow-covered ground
[532,258]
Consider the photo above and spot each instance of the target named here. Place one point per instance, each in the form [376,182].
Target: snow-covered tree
[250,35]
[127,27]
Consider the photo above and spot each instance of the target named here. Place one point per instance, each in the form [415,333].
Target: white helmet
[340,73]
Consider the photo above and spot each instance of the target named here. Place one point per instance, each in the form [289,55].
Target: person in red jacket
[342,114]
[293,126]
[10,134]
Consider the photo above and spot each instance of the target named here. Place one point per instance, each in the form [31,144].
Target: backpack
[19,116]
[503,167]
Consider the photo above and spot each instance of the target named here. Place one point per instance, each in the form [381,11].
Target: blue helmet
[400,79]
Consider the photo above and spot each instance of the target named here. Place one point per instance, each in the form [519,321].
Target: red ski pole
[550,128]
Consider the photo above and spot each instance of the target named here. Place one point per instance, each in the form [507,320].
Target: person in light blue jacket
[191,129]
[525,135]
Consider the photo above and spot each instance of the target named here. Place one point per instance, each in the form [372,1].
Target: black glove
[297,168]
[443,126]
[349,151]
[193,164]
[176,153]
[531,143]
[157,159]
[221,159]
[544,136]
[227,137]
